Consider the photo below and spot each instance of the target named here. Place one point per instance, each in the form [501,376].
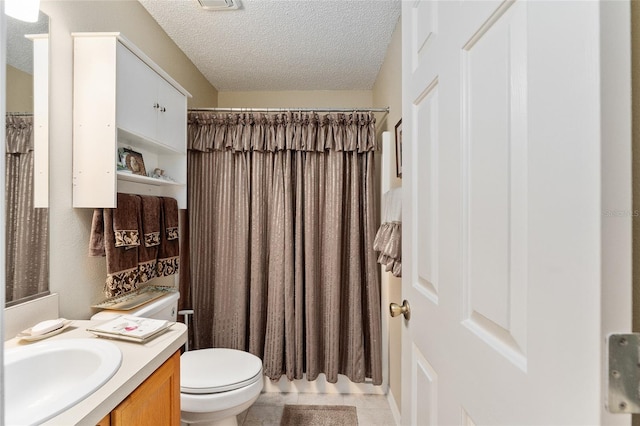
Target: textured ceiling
[19,48]
[283,44]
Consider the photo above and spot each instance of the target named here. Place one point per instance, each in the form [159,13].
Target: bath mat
[319,415]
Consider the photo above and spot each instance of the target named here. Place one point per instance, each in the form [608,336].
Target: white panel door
[517,209]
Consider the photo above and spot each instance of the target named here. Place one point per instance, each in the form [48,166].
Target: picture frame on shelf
[133,162]
[120,164]
[399,149]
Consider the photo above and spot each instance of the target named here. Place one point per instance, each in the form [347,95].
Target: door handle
[405,309]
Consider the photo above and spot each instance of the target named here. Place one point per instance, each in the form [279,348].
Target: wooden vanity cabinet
[156,402]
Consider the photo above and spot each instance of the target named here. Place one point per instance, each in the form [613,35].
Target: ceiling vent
[219,4]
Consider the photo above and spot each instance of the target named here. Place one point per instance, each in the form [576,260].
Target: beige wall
[78,278]
[19,90]
[387,91]
[296,99]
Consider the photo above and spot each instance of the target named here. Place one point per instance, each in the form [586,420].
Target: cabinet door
[156,402]
[172,116]
[136,95]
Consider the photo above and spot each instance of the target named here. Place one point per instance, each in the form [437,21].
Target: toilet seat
[207,371]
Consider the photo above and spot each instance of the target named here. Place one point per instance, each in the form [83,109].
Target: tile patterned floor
[373,410]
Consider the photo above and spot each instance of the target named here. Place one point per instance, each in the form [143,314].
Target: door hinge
[624,373]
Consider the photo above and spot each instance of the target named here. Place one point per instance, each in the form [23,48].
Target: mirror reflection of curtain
[27,228]
[281,216]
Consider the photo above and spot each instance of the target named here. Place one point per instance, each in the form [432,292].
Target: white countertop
[139,361]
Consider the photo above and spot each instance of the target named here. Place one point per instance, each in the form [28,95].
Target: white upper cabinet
[147,105]
[123,100]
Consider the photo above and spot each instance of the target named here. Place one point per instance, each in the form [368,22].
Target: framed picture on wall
[399,149]
[134,162]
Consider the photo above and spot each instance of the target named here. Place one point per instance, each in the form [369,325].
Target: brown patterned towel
[171,217]
[148,252]
[169,251]
[125,221]
[122,261]
[151,220]
[96,239]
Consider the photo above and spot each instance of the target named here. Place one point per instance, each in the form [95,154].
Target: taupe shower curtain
[27,228]
[281,216]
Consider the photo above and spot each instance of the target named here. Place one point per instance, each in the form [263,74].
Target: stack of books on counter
[134,329]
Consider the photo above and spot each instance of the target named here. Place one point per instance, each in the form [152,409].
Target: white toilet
[215,384]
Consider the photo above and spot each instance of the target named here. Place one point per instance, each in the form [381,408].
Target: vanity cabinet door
[156,402]
[106,421]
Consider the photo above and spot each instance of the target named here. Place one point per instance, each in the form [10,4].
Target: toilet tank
[165,308]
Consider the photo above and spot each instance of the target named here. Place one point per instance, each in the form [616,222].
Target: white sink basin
[46,378]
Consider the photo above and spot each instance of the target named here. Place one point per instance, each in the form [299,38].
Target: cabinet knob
[156,105]
[163,109]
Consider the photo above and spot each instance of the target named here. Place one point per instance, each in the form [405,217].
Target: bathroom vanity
[155,402]
[144,390]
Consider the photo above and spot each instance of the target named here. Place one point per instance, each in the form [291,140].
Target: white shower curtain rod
[385,109]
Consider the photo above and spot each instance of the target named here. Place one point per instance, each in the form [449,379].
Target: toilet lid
[218,370]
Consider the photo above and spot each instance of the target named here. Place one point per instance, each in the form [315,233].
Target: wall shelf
[130,177]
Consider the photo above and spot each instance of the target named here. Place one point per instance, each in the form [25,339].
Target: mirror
[26,160]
